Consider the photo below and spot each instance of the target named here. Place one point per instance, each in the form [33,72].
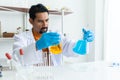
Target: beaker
[56,49]
[80,47]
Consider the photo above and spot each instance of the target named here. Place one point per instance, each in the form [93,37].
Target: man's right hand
[48,39]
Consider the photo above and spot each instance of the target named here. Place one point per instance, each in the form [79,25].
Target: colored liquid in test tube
[21,54]
[56,49]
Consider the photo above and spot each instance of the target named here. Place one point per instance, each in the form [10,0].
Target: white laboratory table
[76,71]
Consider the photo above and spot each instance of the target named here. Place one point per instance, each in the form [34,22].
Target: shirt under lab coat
[31,56]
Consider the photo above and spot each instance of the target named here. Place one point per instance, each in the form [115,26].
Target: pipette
[9,57]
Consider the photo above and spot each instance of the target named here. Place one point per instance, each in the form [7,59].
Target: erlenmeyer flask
[56,49]
[80,47]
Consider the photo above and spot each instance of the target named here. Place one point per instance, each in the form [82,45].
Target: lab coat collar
[30,36]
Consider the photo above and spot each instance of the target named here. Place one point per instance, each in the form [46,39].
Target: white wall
[112,31]
[83,16]
[22,3]
[99,30]
[10,21]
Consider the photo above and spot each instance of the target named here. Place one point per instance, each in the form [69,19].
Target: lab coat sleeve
[67,47]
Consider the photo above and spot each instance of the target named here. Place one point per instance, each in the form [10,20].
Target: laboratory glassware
[56,49]
[80,47]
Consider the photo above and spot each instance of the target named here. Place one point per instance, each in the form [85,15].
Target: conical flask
[56,49]
[80,47]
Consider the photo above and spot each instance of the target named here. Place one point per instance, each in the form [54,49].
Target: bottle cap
[8,56]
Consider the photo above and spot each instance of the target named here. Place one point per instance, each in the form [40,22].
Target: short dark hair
[36,9]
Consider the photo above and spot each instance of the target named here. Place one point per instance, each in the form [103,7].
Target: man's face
[40,21]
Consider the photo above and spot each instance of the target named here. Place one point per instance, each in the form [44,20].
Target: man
[36,42]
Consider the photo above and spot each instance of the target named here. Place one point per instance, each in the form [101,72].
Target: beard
[43,30]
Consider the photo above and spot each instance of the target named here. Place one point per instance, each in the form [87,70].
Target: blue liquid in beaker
[80,47]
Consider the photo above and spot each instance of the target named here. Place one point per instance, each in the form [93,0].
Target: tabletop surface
[76,71]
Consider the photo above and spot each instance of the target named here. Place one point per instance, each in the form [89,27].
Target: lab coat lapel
[30,37]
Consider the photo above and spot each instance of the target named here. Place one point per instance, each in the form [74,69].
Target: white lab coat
[26,41]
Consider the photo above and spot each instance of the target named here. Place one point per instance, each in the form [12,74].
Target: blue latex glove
[88,35]
[48,39]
